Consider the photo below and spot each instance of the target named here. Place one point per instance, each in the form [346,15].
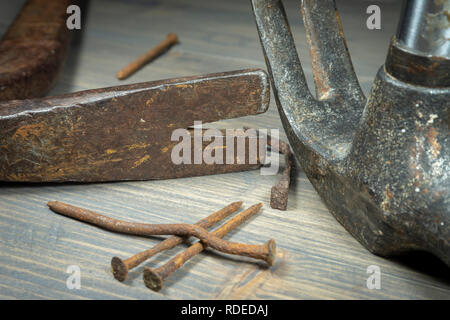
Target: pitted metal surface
[382,165]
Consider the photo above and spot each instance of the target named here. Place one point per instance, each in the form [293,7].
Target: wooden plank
[316,257]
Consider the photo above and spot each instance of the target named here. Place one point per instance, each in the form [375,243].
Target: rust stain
[435,146]
[341,29]
[138,146]
[385,205]
[389,193]
[64,169]
[101,162]
[416,68]
[141,161]
[26,131]
[153,98]
[184,86]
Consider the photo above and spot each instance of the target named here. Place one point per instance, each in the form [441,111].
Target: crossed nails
[153,278]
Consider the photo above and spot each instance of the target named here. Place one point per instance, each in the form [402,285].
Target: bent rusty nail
[262,252]
[121,267]
[279,193]
[124,132]
[33,49]
[153,278]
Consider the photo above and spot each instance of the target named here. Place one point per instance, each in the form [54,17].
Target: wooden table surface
[316,257]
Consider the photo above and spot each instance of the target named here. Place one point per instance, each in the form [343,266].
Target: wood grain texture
[316,258]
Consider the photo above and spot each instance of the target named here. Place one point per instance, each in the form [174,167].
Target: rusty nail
[262,252]
[170,40]
[121,267]
[279,193]
[153,278]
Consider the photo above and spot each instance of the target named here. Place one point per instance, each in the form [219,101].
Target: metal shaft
[424,27]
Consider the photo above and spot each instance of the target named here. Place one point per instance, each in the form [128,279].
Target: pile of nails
[153,278]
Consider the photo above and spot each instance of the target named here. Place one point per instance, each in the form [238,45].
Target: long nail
[153,278]
[262,252]
[121,267]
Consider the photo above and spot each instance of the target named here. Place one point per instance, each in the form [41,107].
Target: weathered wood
[316,258]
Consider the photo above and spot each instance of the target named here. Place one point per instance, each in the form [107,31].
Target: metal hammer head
[381,165]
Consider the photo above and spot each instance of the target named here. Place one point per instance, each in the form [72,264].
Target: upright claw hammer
[381,165]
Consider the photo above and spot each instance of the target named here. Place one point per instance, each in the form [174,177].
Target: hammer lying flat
[123,132]
[117,133]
